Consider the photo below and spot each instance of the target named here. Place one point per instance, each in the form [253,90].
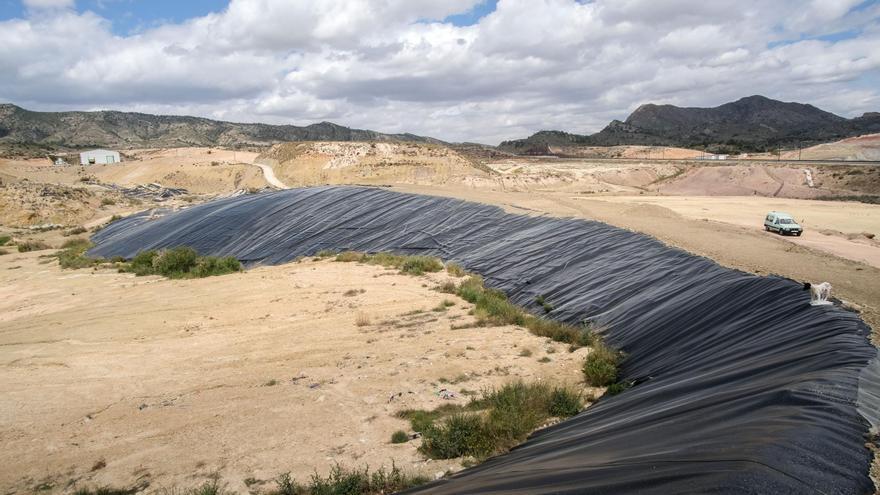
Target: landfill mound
[152,191]
[740,386]
[319,163]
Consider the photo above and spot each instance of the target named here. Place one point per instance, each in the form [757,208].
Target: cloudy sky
[454,69]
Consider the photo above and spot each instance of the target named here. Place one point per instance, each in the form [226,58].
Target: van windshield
[785,220]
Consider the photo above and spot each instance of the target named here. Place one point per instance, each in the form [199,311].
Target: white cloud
[48,4]
[390,65]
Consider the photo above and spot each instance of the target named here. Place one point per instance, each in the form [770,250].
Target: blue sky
[132,16]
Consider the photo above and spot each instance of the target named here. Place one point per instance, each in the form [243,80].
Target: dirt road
[842,229]
[269,174]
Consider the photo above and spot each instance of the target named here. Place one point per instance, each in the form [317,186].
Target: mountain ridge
[115,129]
[752,123]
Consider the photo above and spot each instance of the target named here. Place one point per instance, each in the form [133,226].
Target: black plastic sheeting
[742,386]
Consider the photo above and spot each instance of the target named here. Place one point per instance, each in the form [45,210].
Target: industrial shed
[98,157]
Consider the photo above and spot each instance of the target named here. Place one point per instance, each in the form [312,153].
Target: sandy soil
[842,229]
[736,246]
[108,379]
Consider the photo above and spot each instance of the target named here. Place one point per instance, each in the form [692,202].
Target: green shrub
[455,270]
[399,436]
[75,231]
[618,387]
[73,256]
[180,262]
[419,265]
[411,265]
[176,262]
[541,301]
[496,422]
[458,435]
[28,246]
[105,490]
[447,287]
[77,243]
[210,266]
[564,403]
[341,481]
[142,263]
[108,201]
[209,488]
[4,239]
[600,366]
[350,256]
[420,420]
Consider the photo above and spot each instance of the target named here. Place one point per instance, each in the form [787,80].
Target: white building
[99,157]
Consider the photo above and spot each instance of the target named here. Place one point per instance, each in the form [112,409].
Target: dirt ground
[109,379]
[746,248]
[199,170]
[844,229]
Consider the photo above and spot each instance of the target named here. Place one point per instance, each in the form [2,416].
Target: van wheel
[798,234]
[767,228]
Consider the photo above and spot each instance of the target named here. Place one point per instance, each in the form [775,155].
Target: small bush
[564,403]
[350,256]
[419,265]
[180,262]
[541,301]
[455,270]
[175,263]
[73,256]
[458,435]
[208,488]
[544,359]
[28,246]
[411,265]
[4,239]
[399,436]
[618,387]
[142,263]
[447,287]
[75,231]
[341,481]
[362,320]
[210,266]
[498,421]
[108,201]
[525,353]
[600,366]
[77,243]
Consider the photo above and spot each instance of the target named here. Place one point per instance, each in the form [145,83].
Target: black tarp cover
[742,386]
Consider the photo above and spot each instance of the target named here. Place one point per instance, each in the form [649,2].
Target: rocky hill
[138,130]
[755,123]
